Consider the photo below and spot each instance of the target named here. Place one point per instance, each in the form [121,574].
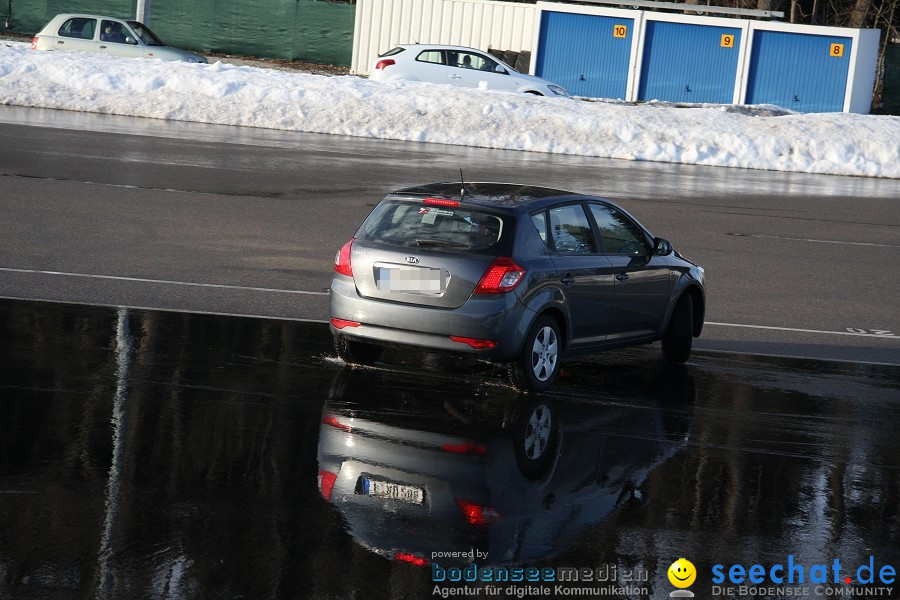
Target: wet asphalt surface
[160,455]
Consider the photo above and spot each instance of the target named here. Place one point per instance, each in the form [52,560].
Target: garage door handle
[623,276]
[567,280]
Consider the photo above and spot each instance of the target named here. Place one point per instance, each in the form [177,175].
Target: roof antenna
[462,183]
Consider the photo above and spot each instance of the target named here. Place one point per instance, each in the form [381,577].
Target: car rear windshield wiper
[441,243]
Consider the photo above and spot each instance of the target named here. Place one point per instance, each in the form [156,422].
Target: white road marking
[163,281]
[181,311]
[795,239]
[853,333]
[882,334]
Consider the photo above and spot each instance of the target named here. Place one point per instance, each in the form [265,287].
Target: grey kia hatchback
[515,274]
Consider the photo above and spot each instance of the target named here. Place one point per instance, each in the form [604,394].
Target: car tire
[676,342]
[538,364]
[357,353]
[536,438]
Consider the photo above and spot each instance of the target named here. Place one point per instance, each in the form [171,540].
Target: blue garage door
[806,73]
[689,63]
[586,54]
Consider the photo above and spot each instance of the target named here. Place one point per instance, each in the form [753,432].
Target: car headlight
[557,90]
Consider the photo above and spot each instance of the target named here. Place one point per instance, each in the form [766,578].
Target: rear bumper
[497,317]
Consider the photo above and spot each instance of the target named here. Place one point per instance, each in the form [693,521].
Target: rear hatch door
[416,253]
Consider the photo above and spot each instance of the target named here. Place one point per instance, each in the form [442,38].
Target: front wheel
[677,341]
[357,353]
[537,366]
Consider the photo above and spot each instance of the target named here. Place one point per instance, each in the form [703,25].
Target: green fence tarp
[891,96]
[317,32]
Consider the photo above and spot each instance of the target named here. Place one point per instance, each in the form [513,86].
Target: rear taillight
[326,483]
[384,63]
[34,42]
[477,514]
[474,342]
[502,276]
[411,558]
[332,421]
[342,259]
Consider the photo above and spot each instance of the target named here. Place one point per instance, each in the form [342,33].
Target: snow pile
[747,137]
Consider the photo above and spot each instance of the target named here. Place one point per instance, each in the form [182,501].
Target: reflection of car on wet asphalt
[516,274]
[107,35]
[414,473]
[459,66]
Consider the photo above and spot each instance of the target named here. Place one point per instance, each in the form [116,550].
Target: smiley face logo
[682,573]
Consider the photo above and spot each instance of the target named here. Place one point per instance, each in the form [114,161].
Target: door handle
[623,276]
[567,280]
[60,42]
[103,47]
[456,77]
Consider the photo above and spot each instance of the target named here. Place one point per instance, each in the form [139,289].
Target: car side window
[469,60]
[540,223]
[620,235]
[431,56]
[78,27]
[570,230]
[110,31]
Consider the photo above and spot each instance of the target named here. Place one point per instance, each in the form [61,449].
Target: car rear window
[78,27]
[392,52]
[446,228]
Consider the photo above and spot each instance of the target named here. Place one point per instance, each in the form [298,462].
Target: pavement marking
[164,281]
[183,311]
[794,239]
[856,333]
[705,351]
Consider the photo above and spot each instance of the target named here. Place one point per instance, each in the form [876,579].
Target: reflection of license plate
[410,279]
[393,491]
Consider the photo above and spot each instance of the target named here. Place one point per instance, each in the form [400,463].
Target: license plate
[393,491]
[422,280]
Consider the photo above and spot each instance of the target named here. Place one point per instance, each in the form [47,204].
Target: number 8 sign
[837,50]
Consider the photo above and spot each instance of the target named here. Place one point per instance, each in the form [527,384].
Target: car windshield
[148,37]
[419,225]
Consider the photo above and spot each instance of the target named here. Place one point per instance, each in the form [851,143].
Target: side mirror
[130,40]
[661,247]
[501,70]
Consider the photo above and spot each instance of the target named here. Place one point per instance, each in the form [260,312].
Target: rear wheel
[676,343]
[358,353]
[536,438]
[538,364]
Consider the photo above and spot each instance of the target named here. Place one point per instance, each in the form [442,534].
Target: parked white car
[459,66]
[107,35]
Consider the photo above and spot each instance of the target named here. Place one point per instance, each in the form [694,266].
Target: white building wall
[382,24]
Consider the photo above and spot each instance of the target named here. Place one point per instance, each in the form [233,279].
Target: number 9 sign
[727,41]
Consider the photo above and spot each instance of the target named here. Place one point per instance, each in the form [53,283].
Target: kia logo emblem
[412,260]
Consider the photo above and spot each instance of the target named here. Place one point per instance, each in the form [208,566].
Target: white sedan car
[107,35]
[460,66]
